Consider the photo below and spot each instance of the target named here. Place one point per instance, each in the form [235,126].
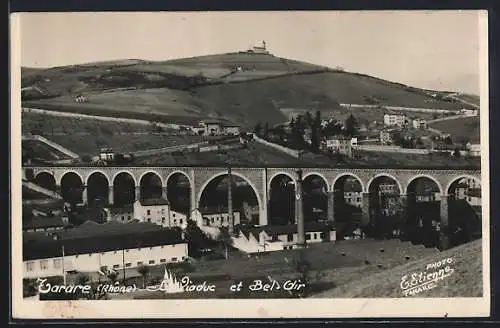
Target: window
[289,237]
[139,263]
[174,259]
[322,235]
[44,264]
[173,214]
[29,266]
[163,260]
[180,221]
[123,217]
[213,220]
[127,250]
[128,265]
[149,219]
[150,248]
[149,212]
[57,263]
[162,220]
[152,262]
[128,217]
[90,255]
[308,236]
[116,266]
[76,256]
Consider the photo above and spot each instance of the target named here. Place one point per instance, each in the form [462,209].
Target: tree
[226,239]
[257,129]
[143,271]
[112,275]
[351,126]
[265,133]
[316,132]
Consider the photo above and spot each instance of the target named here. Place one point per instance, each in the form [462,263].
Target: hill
[463,128]
[242,87]
[465,281]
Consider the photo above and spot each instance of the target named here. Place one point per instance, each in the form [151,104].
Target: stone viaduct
[260,178]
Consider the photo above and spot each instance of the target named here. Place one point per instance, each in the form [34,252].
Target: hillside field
[465,281]
[241,87]
[466,128]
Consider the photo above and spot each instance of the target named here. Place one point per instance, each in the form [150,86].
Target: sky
[428,49]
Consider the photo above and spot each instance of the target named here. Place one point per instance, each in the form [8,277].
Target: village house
[469,112]
[253,239]
[37,223]
[385,137]
[107,154]
[92,247]
[215,217]
[80,99]
[157,211]
[396,120]
[420,124]
[473,149]
[216,128]
[339,144]
[470,190]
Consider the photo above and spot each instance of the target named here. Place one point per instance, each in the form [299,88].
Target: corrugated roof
[47,247]
[43,222]
[154,201]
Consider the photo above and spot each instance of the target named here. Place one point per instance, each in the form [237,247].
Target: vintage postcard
[250,164]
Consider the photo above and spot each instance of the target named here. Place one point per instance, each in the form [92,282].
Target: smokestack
[230,201]
[299,210]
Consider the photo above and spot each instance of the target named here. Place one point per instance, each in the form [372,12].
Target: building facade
[385,138]
[50,256]
[420,124]
[158,211]
[339,144]
[395,120]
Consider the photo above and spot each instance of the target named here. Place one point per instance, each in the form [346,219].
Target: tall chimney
[299,210]
[230,201]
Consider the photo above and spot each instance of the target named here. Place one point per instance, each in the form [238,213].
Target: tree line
[306,126]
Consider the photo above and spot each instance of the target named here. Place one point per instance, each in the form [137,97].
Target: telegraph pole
[63,269]
[299,210]
[230,201]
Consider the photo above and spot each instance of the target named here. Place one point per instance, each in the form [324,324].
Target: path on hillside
[100,118]
[41,190]
[52,144]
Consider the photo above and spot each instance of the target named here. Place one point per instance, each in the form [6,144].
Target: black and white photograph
[285,164]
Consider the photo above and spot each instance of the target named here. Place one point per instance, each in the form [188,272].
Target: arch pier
[359,191]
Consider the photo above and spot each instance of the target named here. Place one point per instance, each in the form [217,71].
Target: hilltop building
[259,48]
[92,247]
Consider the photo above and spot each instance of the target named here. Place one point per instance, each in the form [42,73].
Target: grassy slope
[461,128]
[244,102]
[466,281]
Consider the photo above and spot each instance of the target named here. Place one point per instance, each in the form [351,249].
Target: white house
[339,144]
[157,211]
[107,154]
[92,247]
[217,218]
[420,124]
[469,112]
[254,239]
[395,120]
[474,149]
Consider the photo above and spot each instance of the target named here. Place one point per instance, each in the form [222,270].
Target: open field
[90,144]
[332,265]
[189,89]
[465,281]
[47,125]
[256,154]
[466,128]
